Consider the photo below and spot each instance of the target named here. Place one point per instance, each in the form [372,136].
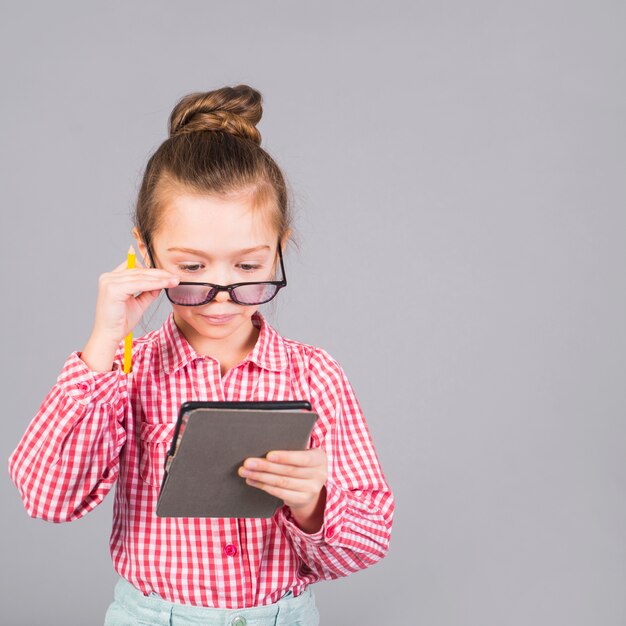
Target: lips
[218,319]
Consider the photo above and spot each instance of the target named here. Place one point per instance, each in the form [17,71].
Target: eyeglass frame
[229,288]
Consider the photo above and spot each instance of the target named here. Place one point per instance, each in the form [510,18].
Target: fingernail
[250,464]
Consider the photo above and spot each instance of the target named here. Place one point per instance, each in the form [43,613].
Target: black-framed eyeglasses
[247,293]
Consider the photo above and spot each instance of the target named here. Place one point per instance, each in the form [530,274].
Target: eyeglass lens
[191,295]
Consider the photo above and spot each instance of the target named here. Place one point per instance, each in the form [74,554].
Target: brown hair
[213,148]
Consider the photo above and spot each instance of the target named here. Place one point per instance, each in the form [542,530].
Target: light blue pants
[131,608]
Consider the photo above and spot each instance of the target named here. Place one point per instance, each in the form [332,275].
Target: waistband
[153,609]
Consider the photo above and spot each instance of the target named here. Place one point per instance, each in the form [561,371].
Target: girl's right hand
[117,310]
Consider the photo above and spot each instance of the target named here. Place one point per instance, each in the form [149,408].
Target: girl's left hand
[297,477]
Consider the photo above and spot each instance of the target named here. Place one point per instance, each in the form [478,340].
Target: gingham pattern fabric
[96,428]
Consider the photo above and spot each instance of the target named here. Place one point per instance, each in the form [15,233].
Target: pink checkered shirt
[96,428]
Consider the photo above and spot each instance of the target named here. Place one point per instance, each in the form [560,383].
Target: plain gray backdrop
[458,174]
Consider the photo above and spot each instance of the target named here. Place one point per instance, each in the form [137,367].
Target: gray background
[458,175]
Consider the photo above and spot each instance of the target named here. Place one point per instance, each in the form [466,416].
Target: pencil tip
[131,250]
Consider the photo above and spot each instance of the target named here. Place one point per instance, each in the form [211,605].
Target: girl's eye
[194,267]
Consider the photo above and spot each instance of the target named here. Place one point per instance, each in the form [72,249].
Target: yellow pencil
[128,341]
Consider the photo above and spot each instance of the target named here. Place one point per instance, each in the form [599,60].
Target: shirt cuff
[334,509]
[88,386]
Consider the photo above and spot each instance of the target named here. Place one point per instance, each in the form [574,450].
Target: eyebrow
[201,253]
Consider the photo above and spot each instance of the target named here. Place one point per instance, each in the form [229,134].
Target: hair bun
[235,110]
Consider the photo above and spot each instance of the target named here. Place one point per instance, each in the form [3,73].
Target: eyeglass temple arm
[282,266]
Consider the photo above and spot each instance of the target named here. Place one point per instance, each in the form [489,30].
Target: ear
[143,251]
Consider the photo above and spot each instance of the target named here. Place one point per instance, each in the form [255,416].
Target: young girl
[212,208]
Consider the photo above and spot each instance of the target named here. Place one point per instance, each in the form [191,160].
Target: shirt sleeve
[359,503]
[67,460]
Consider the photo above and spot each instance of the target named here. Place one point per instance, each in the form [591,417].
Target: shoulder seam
[292,343]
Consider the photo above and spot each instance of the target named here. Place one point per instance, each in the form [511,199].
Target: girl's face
[215,240]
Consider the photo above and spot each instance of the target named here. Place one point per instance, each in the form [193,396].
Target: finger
[145,298]
[147,277]
[279,471]
[301,458]
[284,482]
[283,469]
[286,495]
[123,289]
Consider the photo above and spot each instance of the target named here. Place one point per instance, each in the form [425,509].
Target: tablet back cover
[202,480]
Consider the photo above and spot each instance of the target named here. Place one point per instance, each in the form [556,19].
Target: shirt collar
[269,351]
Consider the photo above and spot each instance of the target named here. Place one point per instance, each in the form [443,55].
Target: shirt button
[239,621]
[230,550]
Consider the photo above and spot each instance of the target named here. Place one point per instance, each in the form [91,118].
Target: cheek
[185,314]
[248,311]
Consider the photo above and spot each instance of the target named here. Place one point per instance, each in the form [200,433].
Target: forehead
[213,223]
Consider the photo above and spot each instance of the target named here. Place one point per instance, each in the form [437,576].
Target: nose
[222,296]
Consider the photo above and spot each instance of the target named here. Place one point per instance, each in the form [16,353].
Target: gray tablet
[211,441]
